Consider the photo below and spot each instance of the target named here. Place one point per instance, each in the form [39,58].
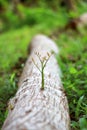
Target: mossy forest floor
[72,61]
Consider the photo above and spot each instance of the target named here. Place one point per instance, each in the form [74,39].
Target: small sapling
[43,61]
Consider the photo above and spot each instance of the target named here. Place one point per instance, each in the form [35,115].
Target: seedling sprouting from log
[43,61]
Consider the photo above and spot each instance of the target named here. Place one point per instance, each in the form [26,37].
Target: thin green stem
[46,62]
[42,74]
[36,65]
[43,65]
[39,58]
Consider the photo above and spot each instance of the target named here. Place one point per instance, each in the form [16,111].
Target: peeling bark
[33,108]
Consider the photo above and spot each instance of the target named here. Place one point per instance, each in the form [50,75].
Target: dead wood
[33,108]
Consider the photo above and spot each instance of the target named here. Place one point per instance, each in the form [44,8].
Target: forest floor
[72,61]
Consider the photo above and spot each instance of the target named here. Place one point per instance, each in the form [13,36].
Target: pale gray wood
[83,20]
[33,108]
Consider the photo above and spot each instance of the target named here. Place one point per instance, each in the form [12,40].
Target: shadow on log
[33,108]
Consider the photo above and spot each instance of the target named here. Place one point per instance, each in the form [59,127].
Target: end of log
[83,20]
[42,41]
[75,23]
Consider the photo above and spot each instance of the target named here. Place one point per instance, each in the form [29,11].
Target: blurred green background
[20,20]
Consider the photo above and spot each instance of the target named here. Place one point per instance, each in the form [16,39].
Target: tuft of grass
[73,63]
[13,45]
[8,88]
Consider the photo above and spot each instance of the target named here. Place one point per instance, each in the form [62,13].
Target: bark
[33,108]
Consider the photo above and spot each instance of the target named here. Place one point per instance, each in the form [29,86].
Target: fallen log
[83,20]
[34,108]
[75,23]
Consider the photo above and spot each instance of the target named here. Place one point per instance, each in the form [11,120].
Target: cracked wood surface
[33,108]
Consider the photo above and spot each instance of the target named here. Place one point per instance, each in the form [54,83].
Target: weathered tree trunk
[14,5]
[33,108]
[70,4]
